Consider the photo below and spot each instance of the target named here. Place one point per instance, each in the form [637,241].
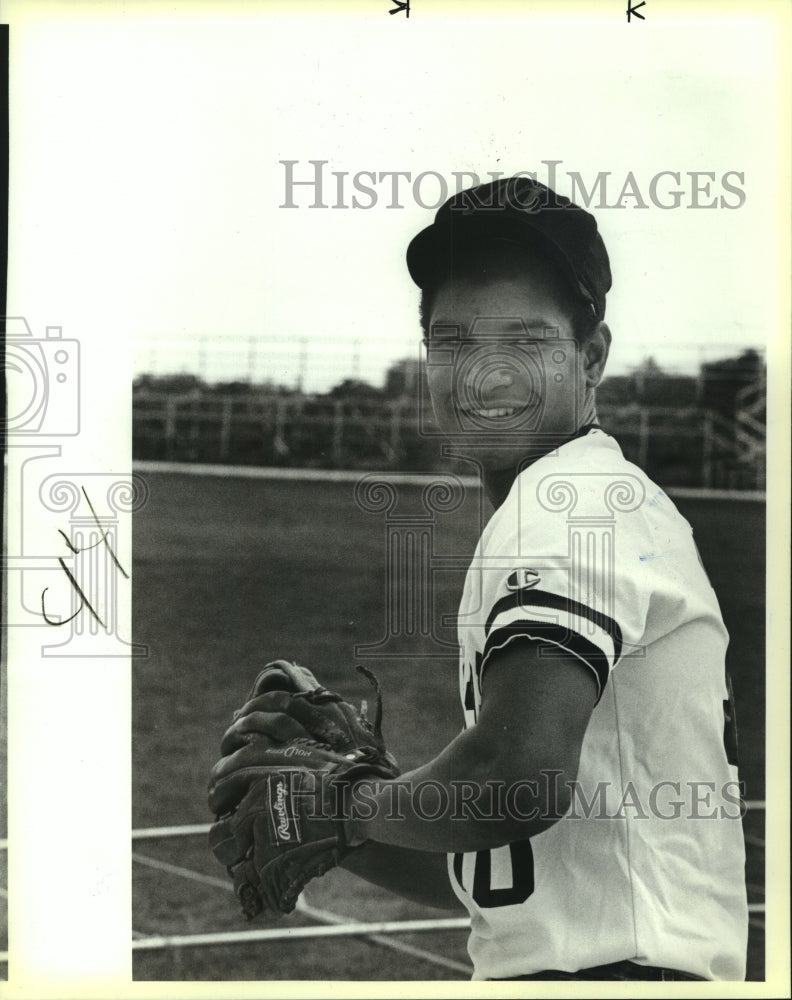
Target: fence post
[225,428]
[195,427]
[643,438]
[170,426]
[706,460]
[279,445]
[395,427]
[338,433]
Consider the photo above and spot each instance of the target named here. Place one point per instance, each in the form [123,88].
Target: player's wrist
[360,807]
[353,833]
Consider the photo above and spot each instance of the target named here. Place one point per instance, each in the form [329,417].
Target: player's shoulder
[590,464]
[589,477]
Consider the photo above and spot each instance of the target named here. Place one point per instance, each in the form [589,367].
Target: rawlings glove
[287,702]
[280,791]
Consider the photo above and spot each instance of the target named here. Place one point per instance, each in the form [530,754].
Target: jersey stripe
[573,623]
[530,597]
[575,643]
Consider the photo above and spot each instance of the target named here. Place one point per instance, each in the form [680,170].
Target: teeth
[499,411]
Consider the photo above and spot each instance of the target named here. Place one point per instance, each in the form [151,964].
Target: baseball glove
[280,791]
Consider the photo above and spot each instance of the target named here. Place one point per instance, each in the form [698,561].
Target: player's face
[506,377]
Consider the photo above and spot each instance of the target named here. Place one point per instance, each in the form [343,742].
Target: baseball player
[588,814]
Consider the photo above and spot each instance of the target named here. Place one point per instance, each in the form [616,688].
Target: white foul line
[295,933]
[403,478]
[325,916]
[188,873]
[152,832]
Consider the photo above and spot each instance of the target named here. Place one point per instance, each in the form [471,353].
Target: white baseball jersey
[589,556]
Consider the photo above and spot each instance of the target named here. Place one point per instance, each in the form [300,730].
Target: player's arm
[537,701]
[421,876]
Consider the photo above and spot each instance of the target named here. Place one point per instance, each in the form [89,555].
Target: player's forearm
[469,798]
[419,876]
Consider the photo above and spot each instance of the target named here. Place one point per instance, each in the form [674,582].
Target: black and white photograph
[396,498]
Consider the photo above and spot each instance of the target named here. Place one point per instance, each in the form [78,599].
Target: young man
[588,815]
[593,823]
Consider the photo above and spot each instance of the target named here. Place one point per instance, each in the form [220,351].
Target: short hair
[475,261]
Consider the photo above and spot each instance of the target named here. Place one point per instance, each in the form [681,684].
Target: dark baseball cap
[523,211]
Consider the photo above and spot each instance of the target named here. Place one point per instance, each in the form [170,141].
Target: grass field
[230,573]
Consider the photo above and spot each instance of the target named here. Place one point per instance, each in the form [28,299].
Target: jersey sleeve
[577,585]
[551,617]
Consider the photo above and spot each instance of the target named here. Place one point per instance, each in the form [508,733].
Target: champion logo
[522,579]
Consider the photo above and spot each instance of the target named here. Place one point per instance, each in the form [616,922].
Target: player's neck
[498,482]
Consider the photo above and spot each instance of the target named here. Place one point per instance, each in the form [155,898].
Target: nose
[485,384]
[501,378]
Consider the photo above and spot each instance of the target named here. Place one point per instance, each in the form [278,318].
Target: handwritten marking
[85,603]
[634,10]
[83,598]
[104,536]
[402,7]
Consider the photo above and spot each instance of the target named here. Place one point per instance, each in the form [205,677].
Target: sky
[169,132]
[215,114]
[146,185]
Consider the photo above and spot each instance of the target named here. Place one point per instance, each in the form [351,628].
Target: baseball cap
[526,212]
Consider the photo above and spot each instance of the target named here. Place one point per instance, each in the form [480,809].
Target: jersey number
[522,871]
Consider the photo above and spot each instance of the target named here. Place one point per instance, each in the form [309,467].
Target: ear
[595,354]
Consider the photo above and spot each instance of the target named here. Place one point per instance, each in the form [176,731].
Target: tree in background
[179,384]
[720,381]
[354,389]
[403,378]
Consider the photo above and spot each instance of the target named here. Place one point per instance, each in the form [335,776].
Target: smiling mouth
[496,412]
[500,411]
